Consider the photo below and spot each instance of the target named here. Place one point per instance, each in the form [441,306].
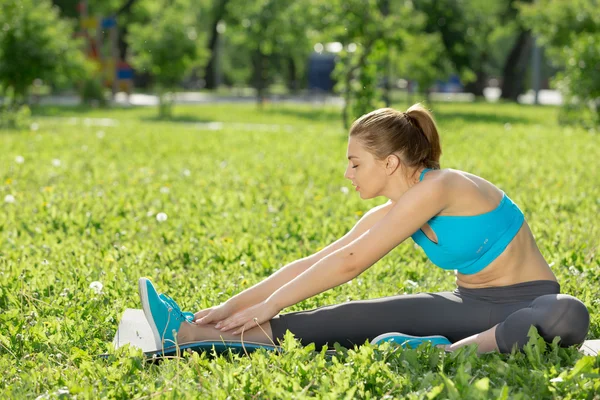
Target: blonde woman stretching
[462,222]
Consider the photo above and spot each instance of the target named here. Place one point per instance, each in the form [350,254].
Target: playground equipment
[101,36]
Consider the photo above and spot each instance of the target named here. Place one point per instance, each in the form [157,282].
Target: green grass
[243,201]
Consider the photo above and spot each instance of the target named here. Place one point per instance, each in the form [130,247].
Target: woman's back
[475,198]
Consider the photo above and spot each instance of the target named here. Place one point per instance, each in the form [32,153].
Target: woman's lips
[358,187]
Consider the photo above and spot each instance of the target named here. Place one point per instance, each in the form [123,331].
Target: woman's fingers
[206,318]
[245,327]
[230,323]
[202,313]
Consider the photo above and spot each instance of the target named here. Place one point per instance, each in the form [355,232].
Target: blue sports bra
[470,243]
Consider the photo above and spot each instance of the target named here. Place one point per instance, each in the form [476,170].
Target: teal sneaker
[189,316]
[163,314]
[409,340]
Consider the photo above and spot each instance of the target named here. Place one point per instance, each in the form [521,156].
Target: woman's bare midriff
[521,261]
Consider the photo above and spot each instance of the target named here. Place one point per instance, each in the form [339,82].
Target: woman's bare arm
[262,290]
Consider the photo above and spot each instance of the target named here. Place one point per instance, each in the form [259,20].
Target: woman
[462,222]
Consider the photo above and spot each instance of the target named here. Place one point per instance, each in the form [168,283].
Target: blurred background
[360,54]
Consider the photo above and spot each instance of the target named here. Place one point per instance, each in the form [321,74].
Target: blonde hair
[411,135]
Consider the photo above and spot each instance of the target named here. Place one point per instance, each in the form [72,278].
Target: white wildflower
[9,198]
[96,287]
[100,134]
[56,162]
[164,190]
[161,217]
[34,126]
[186,172]
[408,282]
[19,159]
[344,190]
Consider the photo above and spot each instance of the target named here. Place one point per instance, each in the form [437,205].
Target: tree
[570,33]
[274,35]
[422,61]
[474,33]
[219,10]
[168,47]
[515,64]
[35,43]
[368,30]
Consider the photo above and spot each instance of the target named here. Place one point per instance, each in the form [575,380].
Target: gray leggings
[455,315]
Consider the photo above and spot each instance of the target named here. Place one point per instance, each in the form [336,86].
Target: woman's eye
[355,166]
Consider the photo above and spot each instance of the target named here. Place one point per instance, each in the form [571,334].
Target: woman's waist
[521,261]
[522,291]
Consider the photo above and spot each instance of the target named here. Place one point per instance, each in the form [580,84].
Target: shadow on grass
[481,117]
[62,110]
[306,114]
[184,118]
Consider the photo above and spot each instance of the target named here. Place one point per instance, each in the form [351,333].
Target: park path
[546,97]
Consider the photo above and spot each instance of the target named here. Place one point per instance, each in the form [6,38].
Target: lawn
[246,192]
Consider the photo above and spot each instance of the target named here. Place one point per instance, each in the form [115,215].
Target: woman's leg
[354,322]
[485,341]
[552,314]
[189,332]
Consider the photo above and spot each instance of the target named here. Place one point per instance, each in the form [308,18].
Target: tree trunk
[122,43]
[384,8]
[209,72]
[292,78]
[478,85]
[513,75]
[260,64]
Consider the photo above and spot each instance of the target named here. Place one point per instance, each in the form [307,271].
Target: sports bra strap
[423,173]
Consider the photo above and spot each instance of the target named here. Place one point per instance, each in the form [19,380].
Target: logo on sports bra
[485,241]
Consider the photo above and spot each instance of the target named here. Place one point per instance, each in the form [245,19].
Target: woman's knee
[553,315]
[561,315]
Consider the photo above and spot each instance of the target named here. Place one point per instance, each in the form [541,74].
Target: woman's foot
[163,314]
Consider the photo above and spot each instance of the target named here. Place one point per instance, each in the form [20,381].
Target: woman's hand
[214,314]
[249,318]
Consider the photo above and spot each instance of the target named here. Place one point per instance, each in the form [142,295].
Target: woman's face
[364,170]
[374,177]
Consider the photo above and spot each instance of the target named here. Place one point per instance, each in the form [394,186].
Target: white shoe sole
[143,289]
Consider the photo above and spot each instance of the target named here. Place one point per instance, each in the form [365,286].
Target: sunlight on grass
[94,199]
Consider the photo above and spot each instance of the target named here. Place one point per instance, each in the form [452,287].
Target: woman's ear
[392,163]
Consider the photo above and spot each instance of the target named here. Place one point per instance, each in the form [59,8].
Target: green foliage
[262,191]
[168,47]
[466,28]
[570,33]
[263,37]
[421,61]
[368,31]
[34,44]
[14,117]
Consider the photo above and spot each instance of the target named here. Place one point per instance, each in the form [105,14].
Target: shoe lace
[188,316]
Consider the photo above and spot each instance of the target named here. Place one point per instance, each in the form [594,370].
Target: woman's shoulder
[468,192]
[457,178]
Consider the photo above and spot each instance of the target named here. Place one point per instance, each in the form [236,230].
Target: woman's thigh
[354,322]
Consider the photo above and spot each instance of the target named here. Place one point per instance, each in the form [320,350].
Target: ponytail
[422,119]
[412,135]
